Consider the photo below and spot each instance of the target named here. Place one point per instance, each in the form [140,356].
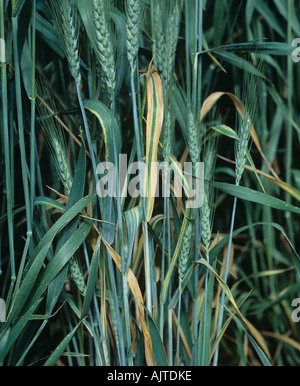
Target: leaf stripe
[153,130]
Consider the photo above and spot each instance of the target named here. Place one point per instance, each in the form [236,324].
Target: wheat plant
[128,278]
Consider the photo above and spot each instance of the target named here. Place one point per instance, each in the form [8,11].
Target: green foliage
[90,280]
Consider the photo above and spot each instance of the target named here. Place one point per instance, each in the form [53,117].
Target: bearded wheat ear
[65,21]
[242,147]
[252,89]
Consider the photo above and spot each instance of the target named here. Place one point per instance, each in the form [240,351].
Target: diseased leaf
[155,114]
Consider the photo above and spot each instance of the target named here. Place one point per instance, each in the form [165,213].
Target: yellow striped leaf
[155,114]
[104,116]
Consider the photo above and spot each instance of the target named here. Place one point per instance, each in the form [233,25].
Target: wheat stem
[22,146]
[8,156]
[222,301]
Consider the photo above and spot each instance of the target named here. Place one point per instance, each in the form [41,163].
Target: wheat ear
[105,49]
[65,20]
[193,141]
[242,147]
[184,254]
[133,29]
[62,163]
